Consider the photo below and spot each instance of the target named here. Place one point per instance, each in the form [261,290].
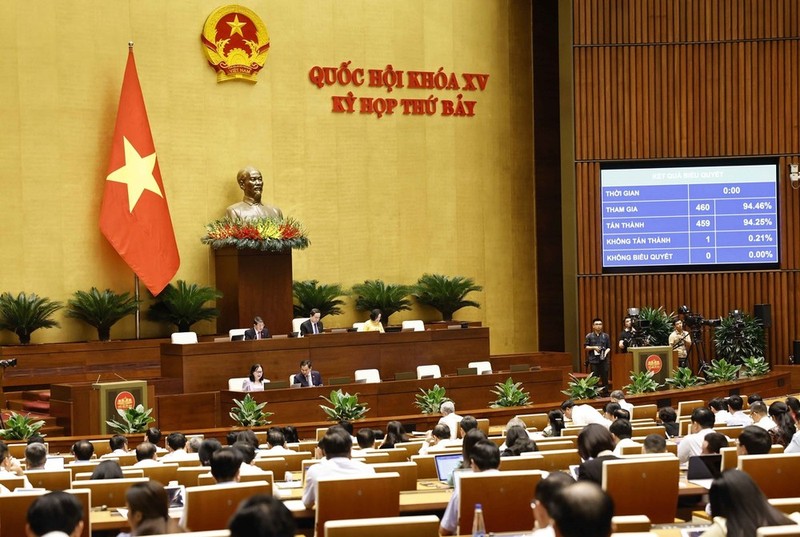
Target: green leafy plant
[445,294]
[660,324]
[308,295]
[642,382]
[23,314]
[721,371]
[583,388]
[183,305]
[738,337]
[683,377]
[374,294]
[101,309]
[134,420]
[344,407]
[249,413]
[429,401]
[510,393]
[755,366]
[19,427]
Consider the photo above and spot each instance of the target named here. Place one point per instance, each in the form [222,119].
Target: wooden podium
[254,283]
[660,359]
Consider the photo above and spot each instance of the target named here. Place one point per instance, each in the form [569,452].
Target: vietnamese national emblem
[236,42]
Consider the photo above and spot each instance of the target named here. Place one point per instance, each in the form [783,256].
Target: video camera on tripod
[695,321]
[641,328]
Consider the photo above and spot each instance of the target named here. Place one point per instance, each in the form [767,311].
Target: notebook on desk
[446,465]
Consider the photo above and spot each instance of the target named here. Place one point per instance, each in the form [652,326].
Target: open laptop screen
[446,464]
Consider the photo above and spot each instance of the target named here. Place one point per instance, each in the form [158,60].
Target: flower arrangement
[265,234]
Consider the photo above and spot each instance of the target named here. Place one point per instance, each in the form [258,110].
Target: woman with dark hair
[394,434]
[739,507]
[255,382]
[794,409]
[262,515]
[518,441]
[374,323]
[290,434]
[556,419]
[107,470]
[669,419]
[471,437]
[784,428]
[595,445]
[148,510]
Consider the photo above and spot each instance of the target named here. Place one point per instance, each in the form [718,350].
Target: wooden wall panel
[677,79]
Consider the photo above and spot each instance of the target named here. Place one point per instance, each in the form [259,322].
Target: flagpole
[138,304]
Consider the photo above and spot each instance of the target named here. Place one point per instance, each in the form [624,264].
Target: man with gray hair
[618,396]
[450,418]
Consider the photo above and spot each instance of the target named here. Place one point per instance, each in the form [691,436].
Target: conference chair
[531,461]
[428,371]
[730,432]
[505,496]
[14,511]
[572,440]
[205,480]
[359,327]
[213,533]
[368,375]
[236,332]
[650,429]
[11,481]
[630,524]
[426,466]
[235,383]
[163,473]
[786,505]
[416,325]
[412,448]
[276,465]
[685,408]
[643,486]
[560,459]
[337,498]
[483,425]
[183,338]
[484,368]
[632,449]
[555,444]
[108,492]
[50,479]
[101,447]
[210,507]
[188,476]
[644,411]
[776,475]
[127,472]
[539,421]
[407,526]
[406,470]
[296,322]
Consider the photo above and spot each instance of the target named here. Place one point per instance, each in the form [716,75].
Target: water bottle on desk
[478,526]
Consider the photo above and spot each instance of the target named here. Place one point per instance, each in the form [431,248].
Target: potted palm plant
[183,305]
[101,309]
[309,294]
[23,314]
[445,294]
[374,294]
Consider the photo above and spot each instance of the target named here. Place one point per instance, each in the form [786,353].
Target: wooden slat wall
[662,79]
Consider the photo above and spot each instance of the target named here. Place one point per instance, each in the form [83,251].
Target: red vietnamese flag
[135,215]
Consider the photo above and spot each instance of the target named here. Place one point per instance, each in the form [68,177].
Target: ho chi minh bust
[251,182]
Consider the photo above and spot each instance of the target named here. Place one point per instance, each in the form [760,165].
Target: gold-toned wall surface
[387,198]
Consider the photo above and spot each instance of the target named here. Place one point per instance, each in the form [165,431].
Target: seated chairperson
[225,465]
[313,325]
[259,331]
[753,440]
[595,446]
[484,457]
[450,418]
[654,443]
[546,490]
[262,515]
[582,415]
[373,324]
[692,444]
[669,419]
[307,377]
[176,443]
[146,455]
[276,444]
[622,433]
[255,382]
[55,514]
[760,416]
[582,510]
[118,445]
[153,435]
[738,417]
[336,445]
[713,443]
[208,447]
[366,438]
[35,457]
[248,455]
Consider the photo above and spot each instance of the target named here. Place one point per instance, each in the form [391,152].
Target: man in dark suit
[306,377]
[259,331]
[312,325]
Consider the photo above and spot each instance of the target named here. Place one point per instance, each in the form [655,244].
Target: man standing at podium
[597,346]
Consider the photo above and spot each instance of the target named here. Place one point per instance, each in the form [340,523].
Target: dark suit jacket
[251,333]
[301,379]
[306,328]
[592,470]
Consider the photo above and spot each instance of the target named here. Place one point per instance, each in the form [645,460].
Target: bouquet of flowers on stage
[265,234]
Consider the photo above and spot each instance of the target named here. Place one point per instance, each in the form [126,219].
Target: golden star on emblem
[236,26]
[137,173]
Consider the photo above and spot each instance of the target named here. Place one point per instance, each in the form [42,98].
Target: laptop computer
[446,465]
[703,469]
[239,337]
[54,463]
[175,494]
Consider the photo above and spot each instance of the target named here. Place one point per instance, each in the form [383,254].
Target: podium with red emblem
[660,360]
[114,396]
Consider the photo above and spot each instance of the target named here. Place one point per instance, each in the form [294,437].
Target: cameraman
[681,341]
[627,335]
[597,346]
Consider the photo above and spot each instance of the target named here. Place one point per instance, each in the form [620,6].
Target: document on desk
[294,505]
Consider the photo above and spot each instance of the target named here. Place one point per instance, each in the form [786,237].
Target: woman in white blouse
[255,383]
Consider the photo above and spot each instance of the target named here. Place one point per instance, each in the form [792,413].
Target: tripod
[697,343]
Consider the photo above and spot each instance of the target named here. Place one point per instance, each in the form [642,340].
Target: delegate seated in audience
[450,418]
[262,515]
[394,434]
[208,447]
[255,381]
[107,470]
[582,510]
[83,450]
[146,455]
[654,443]
[365,438]
[276,444]
[753,440]
[794,407]
[518,441]
[248,455]
[148,510]
[118,445]
[610,411]
[582,415]
[752,398]
[373,324]
[153,435]
[225,465]
[437,436]
[544,495]
[11,465]
[622,433]
[466,424]
[555,424]
[472,437]
[784,428]
[336,445]
[595,446]
[713,443]
[669,418]
[692,444]
[618,396]
[290,433]
[35,457]
[719,407]
[738,417]
[193,444]
[760,415]
[484,456]
[55,514]
[738,507]
[176,443]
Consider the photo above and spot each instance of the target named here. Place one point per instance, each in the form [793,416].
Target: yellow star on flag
[236,26]
[137,174]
